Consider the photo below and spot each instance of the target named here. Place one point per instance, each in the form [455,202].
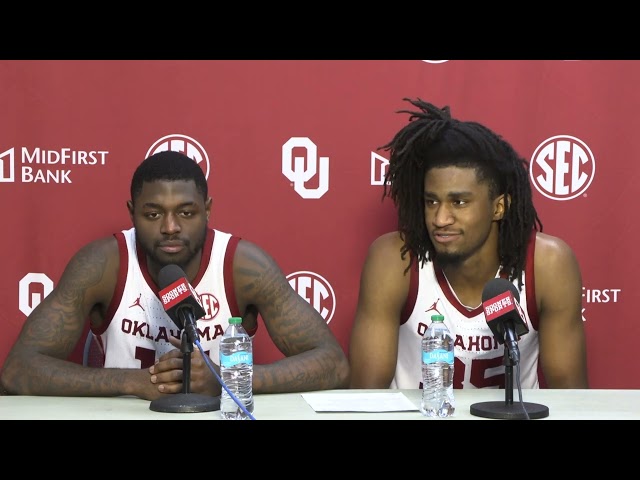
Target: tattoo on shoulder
[85,270]
[257,272]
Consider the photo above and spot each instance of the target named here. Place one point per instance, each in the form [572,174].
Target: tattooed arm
[37,363]
[314,358]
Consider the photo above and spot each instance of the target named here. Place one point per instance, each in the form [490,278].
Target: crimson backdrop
[73,131]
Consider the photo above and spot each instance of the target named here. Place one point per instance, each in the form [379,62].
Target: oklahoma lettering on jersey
[136,329]
[479,358]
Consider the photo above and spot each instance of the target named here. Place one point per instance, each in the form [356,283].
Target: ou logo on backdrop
[562,167]
[315,290]
[302,170]
[31,291]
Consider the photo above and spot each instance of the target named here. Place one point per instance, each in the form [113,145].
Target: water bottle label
[437,356]
[236,358]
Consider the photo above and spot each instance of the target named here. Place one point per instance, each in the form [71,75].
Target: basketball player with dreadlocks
[465,217]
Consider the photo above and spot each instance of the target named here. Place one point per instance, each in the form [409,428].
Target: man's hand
[167,373]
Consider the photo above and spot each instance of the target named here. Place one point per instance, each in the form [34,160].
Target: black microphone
[180,300]
[504,315]
[182,304]
[507,321]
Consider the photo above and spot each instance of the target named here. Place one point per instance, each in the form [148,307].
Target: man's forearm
[51,376]
[318,369]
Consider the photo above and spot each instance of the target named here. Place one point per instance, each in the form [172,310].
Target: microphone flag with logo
[500,300]
[180,300]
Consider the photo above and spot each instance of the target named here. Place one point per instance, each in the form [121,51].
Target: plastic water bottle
[437,370]
[236,371]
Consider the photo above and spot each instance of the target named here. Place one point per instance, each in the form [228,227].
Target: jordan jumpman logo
[137,303]
[434,308]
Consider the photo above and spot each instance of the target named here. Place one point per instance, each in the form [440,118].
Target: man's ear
[207,207]
[500,206]
[130,208]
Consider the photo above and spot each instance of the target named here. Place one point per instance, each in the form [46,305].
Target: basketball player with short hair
[113,284]
[465,217]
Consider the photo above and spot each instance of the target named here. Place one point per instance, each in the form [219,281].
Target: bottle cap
[437,318]
[235,320]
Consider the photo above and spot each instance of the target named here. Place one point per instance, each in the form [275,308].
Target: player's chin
[172,257]
[449,256]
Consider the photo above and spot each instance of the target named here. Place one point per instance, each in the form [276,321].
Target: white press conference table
[589,404]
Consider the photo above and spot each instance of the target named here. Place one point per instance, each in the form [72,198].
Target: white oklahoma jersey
[478,357]
[136,329]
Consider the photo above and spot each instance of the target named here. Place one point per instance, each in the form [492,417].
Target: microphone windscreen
[169,274]
[498,286]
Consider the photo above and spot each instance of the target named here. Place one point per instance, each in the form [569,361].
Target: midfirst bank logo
[316,290]
[562,167]
[40,165]
[299,170]
[186,145]
[599,295]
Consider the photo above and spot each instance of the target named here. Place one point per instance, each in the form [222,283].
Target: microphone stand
[185,402]
[507,410]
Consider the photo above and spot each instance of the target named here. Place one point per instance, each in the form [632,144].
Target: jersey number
[478,373]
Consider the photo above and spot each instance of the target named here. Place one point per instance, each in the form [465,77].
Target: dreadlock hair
[168,165]
[433,139]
